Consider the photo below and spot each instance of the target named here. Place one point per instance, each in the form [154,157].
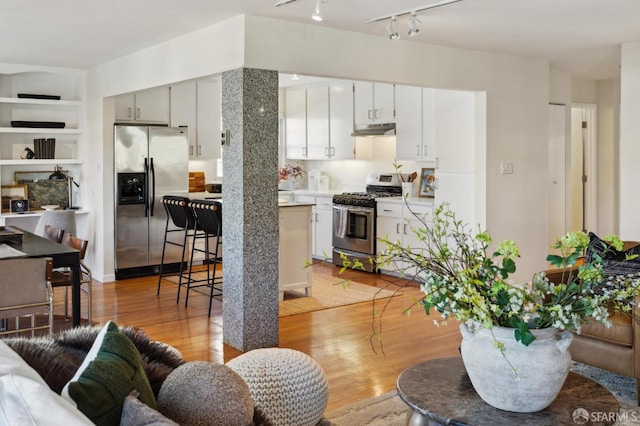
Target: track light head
[317,14]
[413,30]
[393,34]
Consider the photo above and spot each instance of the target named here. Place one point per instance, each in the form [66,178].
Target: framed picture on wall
[427,183]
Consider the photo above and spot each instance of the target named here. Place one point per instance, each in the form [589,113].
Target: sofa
[616,348]
[110,375]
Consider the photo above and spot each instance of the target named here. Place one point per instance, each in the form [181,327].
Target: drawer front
[389,209]
[304,199]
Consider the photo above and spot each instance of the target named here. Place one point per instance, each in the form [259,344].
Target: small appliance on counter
[323,182]
[313,176]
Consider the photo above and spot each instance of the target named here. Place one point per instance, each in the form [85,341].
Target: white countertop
[35,213]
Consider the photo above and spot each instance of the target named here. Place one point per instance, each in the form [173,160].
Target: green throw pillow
[111,370]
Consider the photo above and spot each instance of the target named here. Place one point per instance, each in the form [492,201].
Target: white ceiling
[581,36]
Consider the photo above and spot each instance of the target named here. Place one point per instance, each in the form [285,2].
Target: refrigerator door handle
[146,188]
[153,187]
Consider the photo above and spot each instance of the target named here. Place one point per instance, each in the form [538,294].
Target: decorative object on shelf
[290,177]
[428,183]
[33,96]
[42,189]
[27,154]
[19,206]
[45,148]
[38,124]
[465,277]
[50,207]
[12,192]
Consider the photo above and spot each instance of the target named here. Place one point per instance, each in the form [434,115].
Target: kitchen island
[296,239]
[295,247]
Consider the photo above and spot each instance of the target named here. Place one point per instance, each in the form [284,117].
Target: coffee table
[439,392]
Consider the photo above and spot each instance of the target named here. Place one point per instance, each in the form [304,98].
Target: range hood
[375,129]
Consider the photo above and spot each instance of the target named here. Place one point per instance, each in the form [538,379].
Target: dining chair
[54,234]
[208,213]
[25,285]
[61,219]
[63,277]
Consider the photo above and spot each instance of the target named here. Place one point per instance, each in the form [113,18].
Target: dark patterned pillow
[615,261]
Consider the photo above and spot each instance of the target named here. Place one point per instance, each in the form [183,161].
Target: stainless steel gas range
[354,219]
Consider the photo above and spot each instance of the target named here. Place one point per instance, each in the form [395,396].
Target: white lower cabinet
[321,224]
[395,222]
[295,248]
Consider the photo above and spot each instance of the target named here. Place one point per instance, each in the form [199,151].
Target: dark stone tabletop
[441,391]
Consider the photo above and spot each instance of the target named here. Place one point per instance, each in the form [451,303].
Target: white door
[556,173]
[583,171]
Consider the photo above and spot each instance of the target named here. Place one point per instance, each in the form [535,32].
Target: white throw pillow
[26,398]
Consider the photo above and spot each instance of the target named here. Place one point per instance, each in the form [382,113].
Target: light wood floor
[336,338]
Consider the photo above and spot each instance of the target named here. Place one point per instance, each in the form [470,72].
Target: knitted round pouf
[288,386]
[206,393]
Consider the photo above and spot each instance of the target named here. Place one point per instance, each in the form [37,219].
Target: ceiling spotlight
[393,34]
[413,31]
[317,14]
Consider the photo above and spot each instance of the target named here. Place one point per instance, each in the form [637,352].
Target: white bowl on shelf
[50,206]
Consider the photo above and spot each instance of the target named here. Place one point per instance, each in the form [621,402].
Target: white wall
[516,97]
[629,174]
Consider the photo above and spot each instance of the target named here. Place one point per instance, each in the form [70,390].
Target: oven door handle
[355,209]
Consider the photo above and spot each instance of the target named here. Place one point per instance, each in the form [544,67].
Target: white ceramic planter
[541,367]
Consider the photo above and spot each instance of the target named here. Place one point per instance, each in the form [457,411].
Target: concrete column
[250,215]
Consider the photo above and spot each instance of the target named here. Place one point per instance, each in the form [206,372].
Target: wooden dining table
[63,256]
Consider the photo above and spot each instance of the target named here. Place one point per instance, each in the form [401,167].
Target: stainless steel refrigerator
[150,162]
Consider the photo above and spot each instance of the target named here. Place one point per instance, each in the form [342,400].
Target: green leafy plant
[463,278]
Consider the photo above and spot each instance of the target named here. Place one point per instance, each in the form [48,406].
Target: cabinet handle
[304,151]
[418,150]
[326,152]
[333,151]
[425,150]
[190,149]
[199,150]
[137,113]
[375,114]
[369,115]
[397,228]
[129,112]
[437,162]
[404,229]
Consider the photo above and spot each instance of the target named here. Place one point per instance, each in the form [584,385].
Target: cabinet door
[455,130]
[323,236]
[363,101]
[152,105]
[408,123]
[125,107]
[383,103]
[341,120]
[183,111]
[208,113]
[318,122]
[429,148]
[296,123]
[457,189]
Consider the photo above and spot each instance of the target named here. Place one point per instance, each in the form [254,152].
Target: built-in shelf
[44,162]
[47,102]
[34,130]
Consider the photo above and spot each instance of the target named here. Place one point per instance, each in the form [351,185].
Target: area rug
[326,292]
[389,410]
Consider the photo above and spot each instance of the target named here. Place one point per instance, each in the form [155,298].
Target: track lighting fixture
[393,34]
[413,19]
[317,14]
[413,30]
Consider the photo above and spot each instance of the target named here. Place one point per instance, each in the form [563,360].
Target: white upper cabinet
[208,119]
[374,102]
[147,106]
[341,119]
[296,122]
[318,122]
[183,111]
[415,127]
